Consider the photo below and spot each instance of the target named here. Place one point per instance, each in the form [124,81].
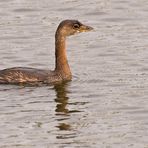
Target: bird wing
[22,75]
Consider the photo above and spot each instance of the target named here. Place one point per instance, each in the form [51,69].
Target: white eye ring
[76,26]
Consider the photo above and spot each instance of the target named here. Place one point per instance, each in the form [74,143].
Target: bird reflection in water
[63,113]
[62,101]
[66,122]
[61,107]
[61,98]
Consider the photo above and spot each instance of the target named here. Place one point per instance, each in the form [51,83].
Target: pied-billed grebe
[17,75]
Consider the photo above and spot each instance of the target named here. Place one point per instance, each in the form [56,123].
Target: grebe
[25,75]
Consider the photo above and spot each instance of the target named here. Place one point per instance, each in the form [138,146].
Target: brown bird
[25,75]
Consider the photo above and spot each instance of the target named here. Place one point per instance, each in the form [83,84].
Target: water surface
[106,103]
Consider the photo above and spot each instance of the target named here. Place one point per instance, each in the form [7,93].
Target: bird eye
[76,26]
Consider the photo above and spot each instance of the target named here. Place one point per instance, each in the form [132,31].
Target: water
[106,104]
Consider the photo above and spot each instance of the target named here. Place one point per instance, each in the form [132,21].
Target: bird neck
[61,62]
